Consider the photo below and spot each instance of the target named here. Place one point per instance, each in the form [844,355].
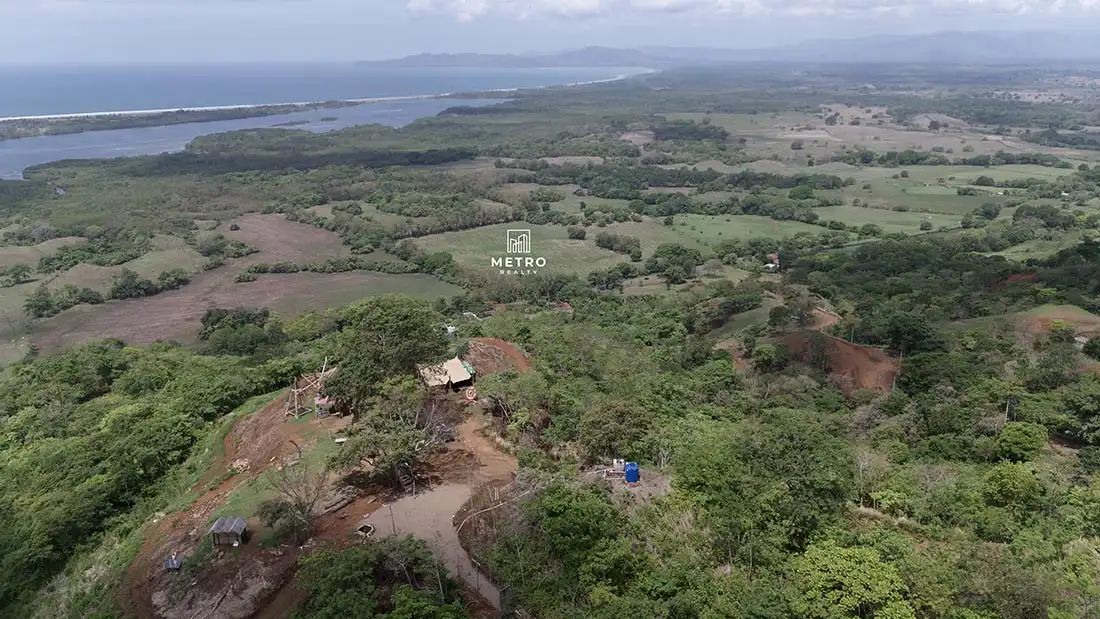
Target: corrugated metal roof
[229,524]
[456,371]
[450,371]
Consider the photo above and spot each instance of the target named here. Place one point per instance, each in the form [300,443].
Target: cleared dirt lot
[280,240]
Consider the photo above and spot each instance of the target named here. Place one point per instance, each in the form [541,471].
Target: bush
[801,192]
[1021,441]
[577,233]
[1092,348]
[129,285]
[173,279]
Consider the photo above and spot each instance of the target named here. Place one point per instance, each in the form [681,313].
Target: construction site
[219,559]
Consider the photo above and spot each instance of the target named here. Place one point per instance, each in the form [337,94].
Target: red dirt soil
[1083,322]
[262,440]
[254,443]
[1014,278]
[490,356]
[856,367]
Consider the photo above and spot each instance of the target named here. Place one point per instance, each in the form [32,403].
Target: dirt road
[430,515]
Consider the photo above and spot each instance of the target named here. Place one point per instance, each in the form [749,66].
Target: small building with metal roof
[229,531]
[452,373]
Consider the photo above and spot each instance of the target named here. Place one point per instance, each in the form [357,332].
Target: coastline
[305,104]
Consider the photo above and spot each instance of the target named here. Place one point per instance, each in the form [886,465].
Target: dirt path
[430,515]
[254,444]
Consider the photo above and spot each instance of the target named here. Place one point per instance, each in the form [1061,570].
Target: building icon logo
[519,241]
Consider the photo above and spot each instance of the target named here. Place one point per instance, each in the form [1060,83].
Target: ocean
[47,91]
[35,91]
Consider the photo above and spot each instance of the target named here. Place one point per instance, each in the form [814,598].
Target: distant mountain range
[941,47]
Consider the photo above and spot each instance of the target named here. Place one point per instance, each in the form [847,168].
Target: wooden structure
[229,531]
[298,403]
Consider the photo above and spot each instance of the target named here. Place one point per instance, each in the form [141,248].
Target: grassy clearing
[890,221]
[1040,248]
[918,196]
[31,254]
[245,500]
[708,229]
[745,319]
[474,248]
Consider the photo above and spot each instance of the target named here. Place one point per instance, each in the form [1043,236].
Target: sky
[201,31]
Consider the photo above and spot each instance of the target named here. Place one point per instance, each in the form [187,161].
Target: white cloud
[467,10]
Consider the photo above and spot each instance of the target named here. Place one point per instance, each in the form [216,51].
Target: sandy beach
[301,104]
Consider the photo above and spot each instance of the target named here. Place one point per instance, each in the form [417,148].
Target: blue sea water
[43,91]
[32,91]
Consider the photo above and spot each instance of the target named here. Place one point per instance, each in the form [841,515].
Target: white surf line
[249,106]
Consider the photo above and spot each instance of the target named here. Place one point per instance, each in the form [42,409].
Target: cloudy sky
[64,31]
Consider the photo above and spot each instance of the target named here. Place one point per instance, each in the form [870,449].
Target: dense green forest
[959,482]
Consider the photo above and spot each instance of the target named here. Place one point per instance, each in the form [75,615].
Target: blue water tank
[632,472]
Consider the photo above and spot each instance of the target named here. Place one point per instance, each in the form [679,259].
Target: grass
[890,221]
[708,229]
[737,322]
[1040,248]
[31,254]
[474,248]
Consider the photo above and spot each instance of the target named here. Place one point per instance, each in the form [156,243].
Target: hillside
[849,336]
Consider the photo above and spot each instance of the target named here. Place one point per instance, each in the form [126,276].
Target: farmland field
[890,221]
[175,314]
[474,248]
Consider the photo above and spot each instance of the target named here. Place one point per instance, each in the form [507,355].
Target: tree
[396,430]
[933,125]
[985,181]
[129,285]
[173,278]
[17,274]
[770,357]
[870,230]
[801,192]
[1012,485]
[833,582]
[385,336]
[1092,348]
[1021,441]
[40,303]
[989,211]
[300,487]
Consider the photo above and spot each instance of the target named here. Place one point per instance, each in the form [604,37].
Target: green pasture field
[890,221]
[710,229]
[475,248]
[1040,248]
